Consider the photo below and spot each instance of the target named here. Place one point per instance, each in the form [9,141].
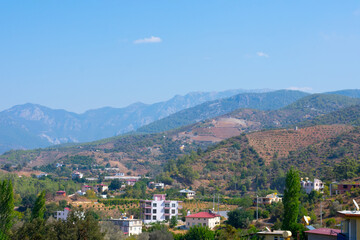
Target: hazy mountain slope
[349,115]
[354,93]
[261,101]
[248,120]
[31,126]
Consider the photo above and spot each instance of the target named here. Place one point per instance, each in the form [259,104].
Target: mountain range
[30,126]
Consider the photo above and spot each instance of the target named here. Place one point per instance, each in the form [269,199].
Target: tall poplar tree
[291,200]
[6,207]
[39,207]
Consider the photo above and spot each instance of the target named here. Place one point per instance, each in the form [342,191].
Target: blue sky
[79,55]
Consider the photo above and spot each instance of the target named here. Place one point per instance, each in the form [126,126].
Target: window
[275,238]
[173,205]
[147,217]
[154,210]
[172,211]
[167,204]
[167,211]
[154,217]
[154,204]
[204,224]
[167,218]
[345,186]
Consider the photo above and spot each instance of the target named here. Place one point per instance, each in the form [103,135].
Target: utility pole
[320,213]
[257,208]
[214,203]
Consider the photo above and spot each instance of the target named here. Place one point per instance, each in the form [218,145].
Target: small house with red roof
[85,188]
[322,233]
[208,219]
[61,193]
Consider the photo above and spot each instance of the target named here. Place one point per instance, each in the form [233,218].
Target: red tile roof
[325,231]
[203,215]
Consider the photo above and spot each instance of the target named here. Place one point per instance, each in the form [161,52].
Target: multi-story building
[159,209]
[309,186]
[207,219]
[345,187]
[350,226]
[269,199]
[189,194]
[129,226]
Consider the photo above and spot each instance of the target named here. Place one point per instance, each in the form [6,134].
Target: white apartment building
[62,214]
[129,226]
[159,209]
[206,219]
[309,186]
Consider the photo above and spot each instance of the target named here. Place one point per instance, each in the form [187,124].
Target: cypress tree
[39,207]
[6,207]
[291,200]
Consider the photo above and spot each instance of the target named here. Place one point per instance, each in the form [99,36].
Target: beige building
[275,235]
[268,199]
[208,219]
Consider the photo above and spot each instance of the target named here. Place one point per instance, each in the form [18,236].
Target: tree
[39,207]
[115,184]
[240,218]
[291,201]
[173,222]
[6,207]
[199,233]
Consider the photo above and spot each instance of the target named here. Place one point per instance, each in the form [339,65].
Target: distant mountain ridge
[32,126]
[261,101]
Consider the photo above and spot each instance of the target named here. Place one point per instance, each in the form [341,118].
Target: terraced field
[280,142]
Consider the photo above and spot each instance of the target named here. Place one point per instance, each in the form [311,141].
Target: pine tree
[39,207]
[6,207]
[291,200]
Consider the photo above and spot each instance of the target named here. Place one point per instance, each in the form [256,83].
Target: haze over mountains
[32,126]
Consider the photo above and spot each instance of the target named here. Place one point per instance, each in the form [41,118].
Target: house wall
[320,237]
[210,222]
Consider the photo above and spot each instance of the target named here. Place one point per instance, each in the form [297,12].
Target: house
[85,188]
[121,177]
[41,175]
[269,199]
[189,194]
[131,182]
[77,174]
[102,187]
[57,165]
[129,226]
[156,185]
[274,235]
[61,193]
[346,187]
[322,233]
[207,219]
[62,215]
[350,226]
[159,209]
[309,186]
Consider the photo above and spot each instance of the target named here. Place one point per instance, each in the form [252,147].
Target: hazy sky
[80,55]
